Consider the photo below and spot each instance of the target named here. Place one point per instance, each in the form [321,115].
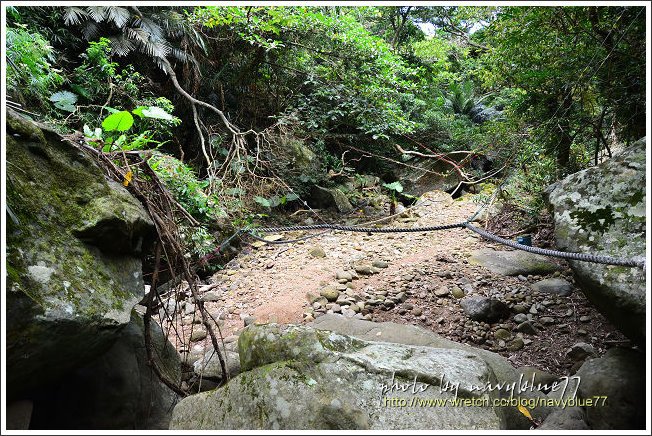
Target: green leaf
[262,201]
[394,186]
[291,196]
[64,100]
[139,111]
[157,113]
[120,121]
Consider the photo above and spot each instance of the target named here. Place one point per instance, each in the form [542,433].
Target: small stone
[408,306]
[211,296]
[585,318]
[527,327]
[516,344]
[330,293]
[336,308]
[248,320]
[198,335]
[309,318]
[582,332]
[379,264]
[502,334]
[441,291]
[520,317]
[457,292]
[344,275]
[580,351]
[417,311]
[519,308]
[364,269]
[546,320]
[318,252]
[401,296]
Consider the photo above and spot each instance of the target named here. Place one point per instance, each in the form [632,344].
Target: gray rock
[211,296]
[620,376]
[266,394]
[379,264]
[441,291]
[547,320]
[248,320]
[198,335]
[484,309]
[209,366]
[512,263]
[520,317]
[592,216]
[580,351]
[412,335]
[519,308]
[553,286]
[364,269]
[568,418]
[502,334]
[515,344]
[73,263]
[330,293]
[417,311]
[330,198]
[117,391]
[344,275]
[527,327]
[317,252]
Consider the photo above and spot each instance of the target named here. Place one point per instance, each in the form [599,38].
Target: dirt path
[278,283]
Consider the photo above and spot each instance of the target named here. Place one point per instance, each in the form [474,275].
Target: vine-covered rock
[73,271]
[601,210]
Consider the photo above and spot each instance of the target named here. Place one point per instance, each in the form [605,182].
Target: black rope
[361,229]
[584,257]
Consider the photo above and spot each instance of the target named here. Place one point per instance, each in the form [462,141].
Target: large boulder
[617,382]
[601,210]
[330,198]
[117,391]
[73,267]
[301,378]
[332,376]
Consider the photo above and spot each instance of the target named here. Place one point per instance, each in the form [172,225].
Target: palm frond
[97,13]
[121,45]
[118,15]
[73,15]
[91,30]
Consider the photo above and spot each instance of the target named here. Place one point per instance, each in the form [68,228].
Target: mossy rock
[601,210]
[74,271]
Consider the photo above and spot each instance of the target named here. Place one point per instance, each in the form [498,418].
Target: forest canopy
[244,108]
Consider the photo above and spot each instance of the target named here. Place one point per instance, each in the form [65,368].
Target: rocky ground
[433,280]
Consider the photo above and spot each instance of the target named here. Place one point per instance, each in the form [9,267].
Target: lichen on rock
[66,295]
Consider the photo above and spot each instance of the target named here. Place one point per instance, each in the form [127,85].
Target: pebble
[457,292]
[417,311]
[502,334]
[198,335]
[379,264]
[585,318]
[516,344]
[441,291]
[330,293]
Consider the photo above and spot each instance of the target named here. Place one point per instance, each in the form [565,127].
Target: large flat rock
[513,263]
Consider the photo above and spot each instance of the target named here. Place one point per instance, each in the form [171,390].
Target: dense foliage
[538,92]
